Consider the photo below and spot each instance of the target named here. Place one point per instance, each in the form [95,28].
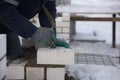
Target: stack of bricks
[50,64]
[2,57]
[63,27]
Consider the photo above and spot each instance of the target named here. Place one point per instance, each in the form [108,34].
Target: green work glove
[58,42]
[43,36]
[61,43]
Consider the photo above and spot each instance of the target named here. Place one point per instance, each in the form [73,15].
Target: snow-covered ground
[94,48]
[104,32]
[94,72]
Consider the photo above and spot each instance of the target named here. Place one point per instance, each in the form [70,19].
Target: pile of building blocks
[2,57]
[50,64]
[63,27]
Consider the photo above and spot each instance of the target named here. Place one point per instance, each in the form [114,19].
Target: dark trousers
[13,44]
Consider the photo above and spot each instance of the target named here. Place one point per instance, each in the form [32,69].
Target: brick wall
[63,2]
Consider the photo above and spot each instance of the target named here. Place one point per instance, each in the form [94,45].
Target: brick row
[58,55]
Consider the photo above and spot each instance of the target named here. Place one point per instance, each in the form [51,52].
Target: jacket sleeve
[51,6]
[12,19]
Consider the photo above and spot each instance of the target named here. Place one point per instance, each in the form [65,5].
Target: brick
[68,41]
[37,73]
[58,19]
[59,30]
[63,36]
[15,70]
[66,30]
[2,45]
[27,43]
[58,55]
[34,73]
[2,68]
[55,73]
[62,24]
[66,17]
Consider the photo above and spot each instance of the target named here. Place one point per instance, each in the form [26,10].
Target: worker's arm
[11,18]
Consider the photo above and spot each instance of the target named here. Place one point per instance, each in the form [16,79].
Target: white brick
[62,24]
[34,73]
[27,43]
[15,70]
[58,19]
[59,30]
[66,30]
[37,73]
[68,41]
[2,68]
[63,36]
[66,17]
[55,73]
[2,45]
[59,55]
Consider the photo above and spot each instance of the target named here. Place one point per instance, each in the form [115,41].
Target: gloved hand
[47,37]
[43,35]
[58,42]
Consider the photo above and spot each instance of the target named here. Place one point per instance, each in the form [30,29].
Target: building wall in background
[63,2]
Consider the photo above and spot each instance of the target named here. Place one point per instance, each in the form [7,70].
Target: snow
[95,2]
[94,48]
[94,72]
[103,32]
[103,29]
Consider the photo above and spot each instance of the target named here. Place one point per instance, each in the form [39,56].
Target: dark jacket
[17,18]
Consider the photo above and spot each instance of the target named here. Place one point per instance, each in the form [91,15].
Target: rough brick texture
[58,55]
[37,73]
[15,70]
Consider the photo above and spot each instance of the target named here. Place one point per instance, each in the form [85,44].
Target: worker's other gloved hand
[58,42]
[61,43]
[42,35]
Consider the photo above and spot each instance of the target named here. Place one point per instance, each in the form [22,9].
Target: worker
[14,20]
